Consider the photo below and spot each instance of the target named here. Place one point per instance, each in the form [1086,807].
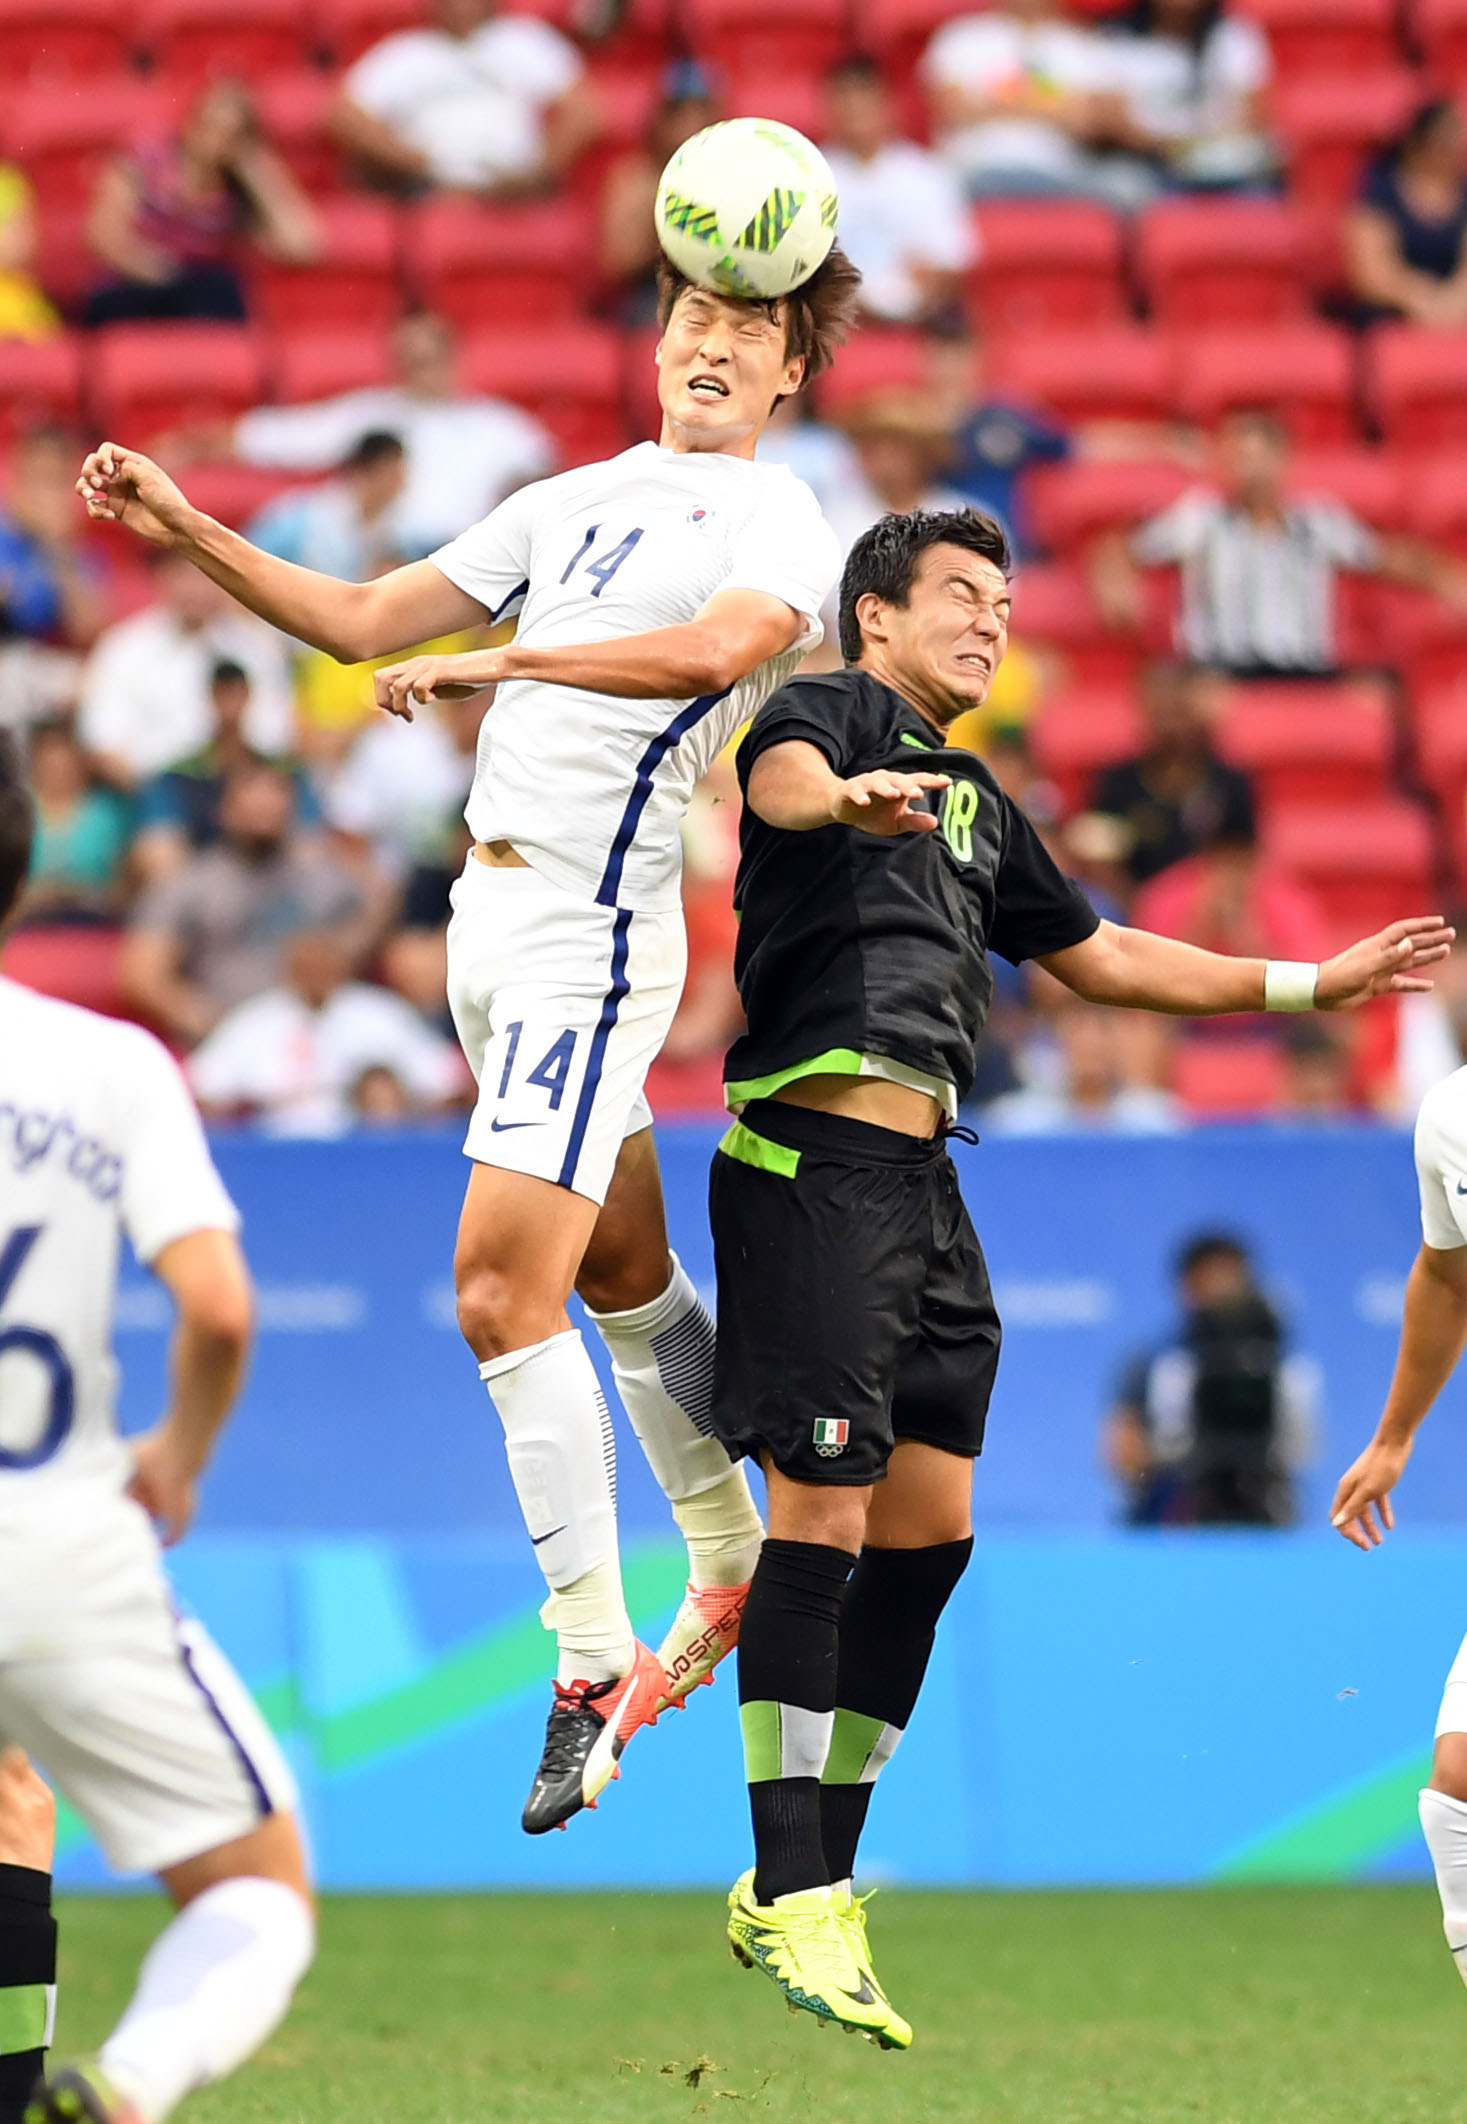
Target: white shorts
[1452,1717]
[562,1007]
[132,1711]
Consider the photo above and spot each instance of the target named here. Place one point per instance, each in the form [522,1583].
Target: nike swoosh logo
[864,1997]
[497,1127]
[1461,1190]
[536,1539]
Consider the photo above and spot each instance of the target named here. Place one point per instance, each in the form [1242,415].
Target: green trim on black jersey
[27,2012]
[835,1062]
[751,1149]
[910,737]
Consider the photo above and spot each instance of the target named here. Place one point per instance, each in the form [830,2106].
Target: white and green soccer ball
[747,208]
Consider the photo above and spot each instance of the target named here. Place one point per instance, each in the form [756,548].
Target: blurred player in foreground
[858,1339]
[662,597]
[130,1708]
[1433,1331]
[27,1930]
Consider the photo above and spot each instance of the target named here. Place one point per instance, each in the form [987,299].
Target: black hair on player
[17,825]
[817,316]
[883,561]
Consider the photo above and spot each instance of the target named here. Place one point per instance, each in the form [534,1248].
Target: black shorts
[854,1306]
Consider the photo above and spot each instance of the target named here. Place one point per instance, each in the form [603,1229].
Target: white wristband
[1289,984]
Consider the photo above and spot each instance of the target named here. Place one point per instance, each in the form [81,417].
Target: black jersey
[856,945]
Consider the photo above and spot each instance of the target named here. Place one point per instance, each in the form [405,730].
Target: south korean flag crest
[832,1434]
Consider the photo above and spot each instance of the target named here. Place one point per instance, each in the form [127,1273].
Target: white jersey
[98,1136]
[590,789]
[1441,1163]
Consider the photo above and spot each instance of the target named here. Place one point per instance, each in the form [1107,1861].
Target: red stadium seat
[1313,37]
[354,284]
[234,493]
[793,98]
[292,108]
[1369,482]
[1044,266]
[1441,28]
[52,37]
[1333,123]
[199,40]
[315,365]
[1305,372]
[1228,1079]
[880,358]
[1078,734]
[897,32]
[144,379]
[501,267]
[569,376]
[1053,605]
[1206,262]
[1120,372]
[1437,488]
[1368,863]
[776,38]
[39,384]
[1419,387]
[1439,718]
[63,132]
[77,964]
[66,264]
[1070,503]
[1311,744]
[347,28]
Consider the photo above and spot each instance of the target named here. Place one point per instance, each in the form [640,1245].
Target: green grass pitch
[1226,2006]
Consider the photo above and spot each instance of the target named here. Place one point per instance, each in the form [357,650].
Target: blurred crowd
[1178,292]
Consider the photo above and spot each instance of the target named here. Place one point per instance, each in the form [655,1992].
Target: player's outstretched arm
[736,632]
[1133,968]
[350,621]
[793,786]
[206,1273]
[1433,1332]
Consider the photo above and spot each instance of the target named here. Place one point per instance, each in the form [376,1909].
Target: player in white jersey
[126,1703]
[1433,1332]
[661,598]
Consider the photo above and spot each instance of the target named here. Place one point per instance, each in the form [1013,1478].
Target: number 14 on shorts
[534,1074]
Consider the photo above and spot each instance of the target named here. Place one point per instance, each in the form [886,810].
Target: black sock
[887,1628]
[788,1650]
[27,1984]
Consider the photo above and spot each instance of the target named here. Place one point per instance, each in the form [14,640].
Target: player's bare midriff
[911,1113]
[499,855]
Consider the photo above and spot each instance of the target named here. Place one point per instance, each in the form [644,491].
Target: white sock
[1444,1825]
[662,1360]
[212,1987]
[562,1458]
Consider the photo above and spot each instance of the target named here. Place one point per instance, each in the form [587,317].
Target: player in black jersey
[857,1338]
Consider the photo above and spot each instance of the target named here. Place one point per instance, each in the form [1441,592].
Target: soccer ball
[747,208]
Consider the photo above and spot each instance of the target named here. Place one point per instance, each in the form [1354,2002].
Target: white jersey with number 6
[589,788]
[98,1136]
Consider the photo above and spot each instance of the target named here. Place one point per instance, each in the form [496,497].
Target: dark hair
[228,673]
[1211,1246]
[817,316]
[857,67]
[373,448]
[883,561]
[1421,124]
[17,825]
[1141,21]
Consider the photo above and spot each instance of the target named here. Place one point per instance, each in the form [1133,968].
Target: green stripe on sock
[763,1752]
[749,1149]
[851,1747]
[24,2014]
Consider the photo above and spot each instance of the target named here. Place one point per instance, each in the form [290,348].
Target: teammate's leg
[27,1930]
[661,1342]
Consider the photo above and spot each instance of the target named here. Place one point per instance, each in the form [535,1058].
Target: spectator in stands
[1230,897]
[400,796]
[1089,1091]
[901,445]
[345,527]
[80,850]
[296,1054]
[25,311]
[478,102]
[178,810]
[627,248]
[1403,239]
[168,218]
[463,454]
[1431,1032]
[214,932]
[903,218]
[1258,564]
[1316,1072]
[1179,794]
[48,585]
[1025,100]
[1212,1428]
[146,699]
[1194,84]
